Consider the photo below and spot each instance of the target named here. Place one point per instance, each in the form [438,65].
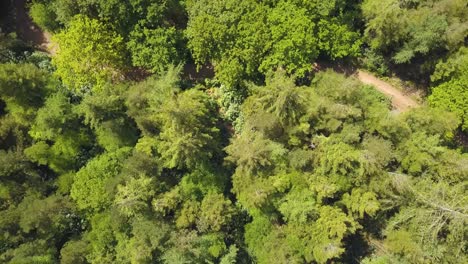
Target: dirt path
[400,101]
[28,31]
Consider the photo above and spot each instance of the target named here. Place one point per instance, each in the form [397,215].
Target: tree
[89,189]
[215,213]
[36,251]
[453,96]
[133,197]
[74,251]
[243,39]
[265,169]
[337,40]
[146,242]
[54,118]
[454,67]
[145,26]
[102,238]
[17,178]
[293,44]
[252,152]
[100,58]
[187,246]
[44,16]
[181,125]
[50,217]
[155,49]
[144,99]
[280,97]
[23,87]
[105,113]
[188,130]
[405,31]
[361,202]
[430,225]
[419,153]
[60,141]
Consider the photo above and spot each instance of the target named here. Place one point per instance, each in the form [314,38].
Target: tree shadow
[344,67]
[25,27]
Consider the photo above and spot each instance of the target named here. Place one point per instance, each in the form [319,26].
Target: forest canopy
[213,131]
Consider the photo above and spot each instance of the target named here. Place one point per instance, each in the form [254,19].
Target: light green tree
[453,96]
[133,197]
[188,129]
[155,49]
[89,54]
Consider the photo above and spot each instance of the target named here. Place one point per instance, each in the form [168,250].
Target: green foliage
[215,212]
[375,62]
[252,151]
[144,99]
[150,30]
[330,228]
[12,50]
[267,162]
[62,155]
[23,86]
[338,160]
[54,118]
[89,54]
[452,96]
[49,217]
[17,177]
[338,40]
[105,113]
[451,92]
[281,98]
[74,251]
[134,196]
[432,226]
[43,15]
[248,37]
[361,202]
[59,139]
[419,153]
[155,49]
[454,67]
[432,121]
[36,251]
[102,238]
[188,247]
[404,31]
[231,256]
[188,130]
[89,187]
[292,41]
[146,241]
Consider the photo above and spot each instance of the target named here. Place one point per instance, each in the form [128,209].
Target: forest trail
[31,33]
[28,31]
[400,101]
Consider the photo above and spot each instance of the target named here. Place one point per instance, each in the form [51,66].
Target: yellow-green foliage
[89,54]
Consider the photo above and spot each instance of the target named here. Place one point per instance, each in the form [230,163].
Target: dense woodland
[110,152]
